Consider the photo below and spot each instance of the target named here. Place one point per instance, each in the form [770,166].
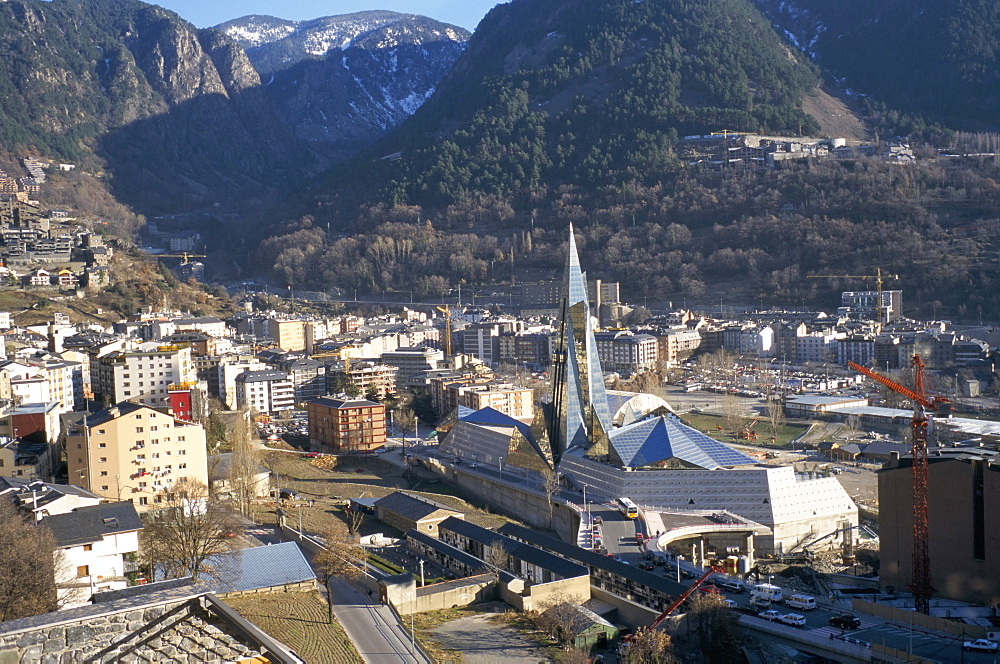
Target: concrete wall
[525,505]
[910,617]
[629,613]
[540,596]
[406,598]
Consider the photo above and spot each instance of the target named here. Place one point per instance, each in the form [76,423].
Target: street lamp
[501,467]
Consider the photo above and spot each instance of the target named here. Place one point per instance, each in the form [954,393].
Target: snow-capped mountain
[345,80]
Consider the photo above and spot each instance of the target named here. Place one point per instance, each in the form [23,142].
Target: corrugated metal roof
[258,567]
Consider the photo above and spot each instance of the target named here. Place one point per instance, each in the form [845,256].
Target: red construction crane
[687,593]
[921,583]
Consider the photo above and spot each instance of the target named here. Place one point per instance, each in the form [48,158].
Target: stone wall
[166,629]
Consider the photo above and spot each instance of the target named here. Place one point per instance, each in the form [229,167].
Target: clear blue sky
[206,13]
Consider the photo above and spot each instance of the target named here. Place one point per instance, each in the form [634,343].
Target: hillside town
[629,456]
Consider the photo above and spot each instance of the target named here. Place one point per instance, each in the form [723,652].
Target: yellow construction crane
[879,278]
[185,255]
[446,310]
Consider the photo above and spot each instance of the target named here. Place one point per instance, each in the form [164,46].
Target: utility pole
[422,574]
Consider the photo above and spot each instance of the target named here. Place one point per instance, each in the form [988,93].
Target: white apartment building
[207,325]
[23,383]
[817,346]
[99,544]
[626,352]
[142,376]
[229,369]
[265,391]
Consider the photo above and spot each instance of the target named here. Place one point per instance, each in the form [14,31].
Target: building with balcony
[134,452]
[345,424]
[141,376]
[265,391]
[99,545]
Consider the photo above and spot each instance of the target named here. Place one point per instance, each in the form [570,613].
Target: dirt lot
[481,635]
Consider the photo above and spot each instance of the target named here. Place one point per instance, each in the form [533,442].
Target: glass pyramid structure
[580,416]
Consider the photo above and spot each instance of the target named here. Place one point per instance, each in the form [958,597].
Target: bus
[628,508]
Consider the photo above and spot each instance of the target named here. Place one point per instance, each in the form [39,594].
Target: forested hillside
[928,61]
[175,114]
[564,112]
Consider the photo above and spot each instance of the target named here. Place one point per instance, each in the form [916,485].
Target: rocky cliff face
[176,116]
[343,81]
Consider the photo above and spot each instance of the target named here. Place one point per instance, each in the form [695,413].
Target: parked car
[770,614]
[647,566]
[729,604]
[981,644]
[845,621]
[793,619]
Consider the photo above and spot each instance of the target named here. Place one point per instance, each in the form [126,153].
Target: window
[104,487]
[79,446]
[88,547]
[181,452]
[103,459]
[138,429]
[143,500]
[100,431]
[152,428]
[82,571]
[102,444]
[180,439]
[139,417]
[181,465]
[104,473]
[142,485]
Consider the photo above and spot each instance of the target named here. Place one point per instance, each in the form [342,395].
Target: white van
[768,591]
[759,600]
[804,602]
[732,585]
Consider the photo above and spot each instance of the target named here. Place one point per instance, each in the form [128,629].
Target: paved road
[372,627]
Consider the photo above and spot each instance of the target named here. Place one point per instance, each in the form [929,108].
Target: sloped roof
[494,417]
[412,507]
[660,438]
[86,525]
[259,567]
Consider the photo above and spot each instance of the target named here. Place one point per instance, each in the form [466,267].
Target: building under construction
[963,505]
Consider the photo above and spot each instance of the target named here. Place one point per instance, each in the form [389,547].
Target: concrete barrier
[910,619]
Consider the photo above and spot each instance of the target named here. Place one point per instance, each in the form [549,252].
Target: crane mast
[920,584]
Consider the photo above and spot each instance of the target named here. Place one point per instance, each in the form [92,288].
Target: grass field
[300,621]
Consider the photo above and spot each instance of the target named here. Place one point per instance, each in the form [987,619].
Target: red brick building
[345,424]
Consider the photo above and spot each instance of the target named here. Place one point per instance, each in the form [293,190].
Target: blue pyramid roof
[660,438]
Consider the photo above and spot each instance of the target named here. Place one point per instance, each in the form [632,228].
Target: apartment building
[136,453]
[516,402]
[626,352]
[356,425]
[141,376]
[265,391]
[364,377]
[290,335]
[675,346]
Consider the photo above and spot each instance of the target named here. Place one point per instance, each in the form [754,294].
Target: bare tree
[353,518]
[496,556]
[732,410]
[29,562]
[775,415]
[244,464]
[189,529]
[342,557]
[551,486]
[648,646]
[715,630]
[852,426]
[560,619]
